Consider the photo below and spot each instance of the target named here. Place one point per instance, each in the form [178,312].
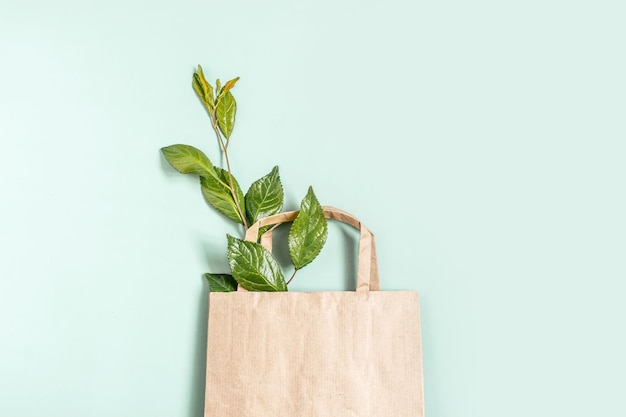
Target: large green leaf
[254,268]
[264,197]
[308,232]
[218,194]
[188,160]
[225,112]
[221,282]
[203,89]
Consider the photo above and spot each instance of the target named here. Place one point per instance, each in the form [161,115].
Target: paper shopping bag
[321,354]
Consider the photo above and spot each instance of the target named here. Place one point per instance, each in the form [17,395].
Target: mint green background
[482,142]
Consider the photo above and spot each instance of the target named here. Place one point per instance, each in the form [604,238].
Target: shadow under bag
[318,354]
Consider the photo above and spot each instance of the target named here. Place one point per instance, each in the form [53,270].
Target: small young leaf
[225,111]
[221,282]
[264,197]
[188,160]
[228,86]
[254,268]
[203,89]
[218,194]
[308,232]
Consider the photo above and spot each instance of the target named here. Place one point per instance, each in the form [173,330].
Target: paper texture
[325,354]
[334,354]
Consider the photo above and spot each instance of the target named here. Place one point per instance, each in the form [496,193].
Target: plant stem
[224,148]
[293,275]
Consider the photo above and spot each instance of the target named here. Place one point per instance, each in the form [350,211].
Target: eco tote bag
[318,354]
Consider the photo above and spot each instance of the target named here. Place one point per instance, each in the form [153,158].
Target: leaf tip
[232,240]
[311,194]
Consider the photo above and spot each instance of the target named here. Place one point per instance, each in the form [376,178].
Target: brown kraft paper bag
[319,354]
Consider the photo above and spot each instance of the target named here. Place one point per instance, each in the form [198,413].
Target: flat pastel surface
[482,142]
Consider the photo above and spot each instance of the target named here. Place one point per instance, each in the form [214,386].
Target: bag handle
[367,270]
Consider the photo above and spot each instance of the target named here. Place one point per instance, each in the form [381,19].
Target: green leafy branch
[252,266]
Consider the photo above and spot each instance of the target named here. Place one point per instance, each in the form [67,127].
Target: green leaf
[254,268]
[225,111]
[308,232]
[217,193]
[221,282]
[264,229]
[188,160]
[203,89]
[228,86]
[264,197]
